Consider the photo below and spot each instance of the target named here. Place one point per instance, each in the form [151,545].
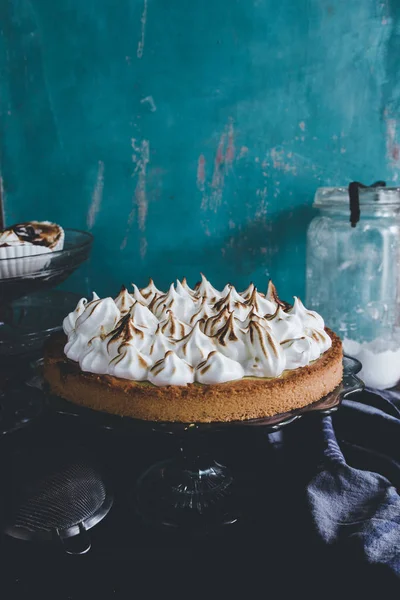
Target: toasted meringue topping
[159,346]
[195,346]
[173,327]
[205,312]
[182,291]
[321,339]
[95,357]
[76,345]
[272,296]
[285,326]
[224,334]
[149,292]
[246,294]
[188,289]
[214,324]
[268,358]
[204,289]
[231,341]
[143,317]
[309,318]
[218,368]
[124,301]
[70,320]
[234,303]
[260,305]
[182,306]
[253,316]
[49,236]
[126,332]
[98,313]
[298,352]
[130,364]
[171,370]
[136,295]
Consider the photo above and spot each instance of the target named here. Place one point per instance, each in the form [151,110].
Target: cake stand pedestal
[194,491]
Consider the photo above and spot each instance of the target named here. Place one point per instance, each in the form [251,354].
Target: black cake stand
[194,490]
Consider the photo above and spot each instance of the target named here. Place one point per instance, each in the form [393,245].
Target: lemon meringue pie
[193,355]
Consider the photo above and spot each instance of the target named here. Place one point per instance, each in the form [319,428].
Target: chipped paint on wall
[261,211]
[97,197]
[243,152]
[281,161]
[149,100]
[222,166]
[201,172]
[143,21]
[140,159]
[392,145]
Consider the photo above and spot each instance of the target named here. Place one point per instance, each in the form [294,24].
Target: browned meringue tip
[272,294]
[124,329]
[198,284]
[146,295]
[227,330]
[204,362]
[252,300]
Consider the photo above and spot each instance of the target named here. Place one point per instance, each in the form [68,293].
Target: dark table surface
[272,544]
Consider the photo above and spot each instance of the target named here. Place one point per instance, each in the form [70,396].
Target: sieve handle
[76,544]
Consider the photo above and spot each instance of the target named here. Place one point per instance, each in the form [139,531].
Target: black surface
[273,544]
[274,533]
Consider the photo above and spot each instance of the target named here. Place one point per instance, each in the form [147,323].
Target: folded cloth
[354,497]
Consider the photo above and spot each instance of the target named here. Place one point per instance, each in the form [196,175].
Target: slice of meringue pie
[193,354]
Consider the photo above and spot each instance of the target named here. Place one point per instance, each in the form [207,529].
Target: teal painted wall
[191,135]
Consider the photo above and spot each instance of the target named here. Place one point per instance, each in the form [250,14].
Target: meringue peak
[272,295]
[124,301]
[246,294]
[195,346]
[231,340]
[172,327]
[309,317]
[182,305]
[233,302]
[218,368]
[205,312]
[181,290]
[186,287]
[171,370]
[228,332]
[260,304]
[143,317]
[150,292]
[213,324]
[268,358]
[129,363]
[204,289]
[125,332]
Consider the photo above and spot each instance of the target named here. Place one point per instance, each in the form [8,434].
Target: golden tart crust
[248,398]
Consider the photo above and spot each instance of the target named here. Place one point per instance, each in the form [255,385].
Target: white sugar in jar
[353,276]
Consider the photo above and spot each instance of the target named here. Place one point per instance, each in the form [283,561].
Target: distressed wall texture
[191,135]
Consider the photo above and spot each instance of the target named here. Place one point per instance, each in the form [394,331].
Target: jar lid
[384,196]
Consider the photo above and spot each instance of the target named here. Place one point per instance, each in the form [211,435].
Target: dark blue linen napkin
[354,497]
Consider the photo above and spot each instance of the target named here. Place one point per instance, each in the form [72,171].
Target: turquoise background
[191,135]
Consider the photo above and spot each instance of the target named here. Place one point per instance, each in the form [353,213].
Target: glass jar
[353,277]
